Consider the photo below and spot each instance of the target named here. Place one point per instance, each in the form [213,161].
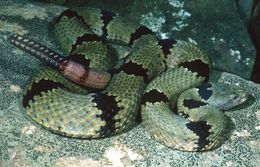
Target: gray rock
[245,8]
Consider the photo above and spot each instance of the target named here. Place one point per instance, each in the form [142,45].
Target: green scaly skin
[71,112]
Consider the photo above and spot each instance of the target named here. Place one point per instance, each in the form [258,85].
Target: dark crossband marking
[38,87]
[154,96]
[108,105]
[175,111]
[134,69]
[201,129]
[87,37]
[79,58]
[204,92]
[70,14]
[166,45]
[142,30]
[106,17]
[193,103]
[199,67]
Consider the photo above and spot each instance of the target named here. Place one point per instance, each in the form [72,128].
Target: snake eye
[234,96]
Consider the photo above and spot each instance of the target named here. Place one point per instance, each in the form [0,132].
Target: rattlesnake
[148,78]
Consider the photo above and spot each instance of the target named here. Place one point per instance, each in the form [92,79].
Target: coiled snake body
[153,75]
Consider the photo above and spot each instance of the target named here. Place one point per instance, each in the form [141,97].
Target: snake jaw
[223,96]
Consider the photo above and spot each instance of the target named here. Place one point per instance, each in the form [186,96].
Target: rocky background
[214,25]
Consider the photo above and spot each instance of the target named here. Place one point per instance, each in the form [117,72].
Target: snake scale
[148,77]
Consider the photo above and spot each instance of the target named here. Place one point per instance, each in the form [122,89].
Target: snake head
[226,96]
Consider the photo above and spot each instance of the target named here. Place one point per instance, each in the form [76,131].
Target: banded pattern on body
[153,75]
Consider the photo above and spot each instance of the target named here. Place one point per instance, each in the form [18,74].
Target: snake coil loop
[153,75]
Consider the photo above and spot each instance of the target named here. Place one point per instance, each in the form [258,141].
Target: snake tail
[72,69]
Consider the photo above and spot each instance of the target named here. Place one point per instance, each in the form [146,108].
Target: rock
[255,34]
[25,143]
[245,8]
